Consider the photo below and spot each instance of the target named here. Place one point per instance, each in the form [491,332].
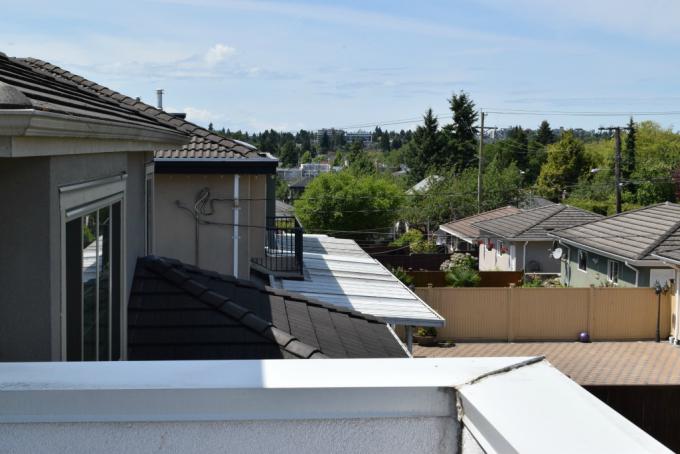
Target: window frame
[583,253]
[610,267]
[76,200]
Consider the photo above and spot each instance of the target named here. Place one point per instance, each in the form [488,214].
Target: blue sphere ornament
[584,337]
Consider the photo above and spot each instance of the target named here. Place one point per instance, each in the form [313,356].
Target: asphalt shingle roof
[49,91]
[537,223]
[178,311]
[204,143]
[635,234]
[465,228]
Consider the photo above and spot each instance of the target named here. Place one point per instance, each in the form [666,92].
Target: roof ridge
[170,269]
[671,230]
[88,85]
[561,206]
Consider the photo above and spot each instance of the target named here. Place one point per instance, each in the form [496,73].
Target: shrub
[404,277]
[426,331]
[463,277]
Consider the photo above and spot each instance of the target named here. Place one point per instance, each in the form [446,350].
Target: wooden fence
[545,314]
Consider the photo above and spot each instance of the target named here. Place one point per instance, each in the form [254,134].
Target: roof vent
[12,98]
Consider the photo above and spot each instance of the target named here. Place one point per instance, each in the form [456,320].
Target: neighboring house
[669,253]
[212,198]
[73,169]
[522,241]
[462,235]
[297,188]
[424,185]
[620,249]
[178,311]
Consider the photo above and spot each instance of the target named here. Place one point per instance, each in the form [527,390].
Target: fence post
[509,300]
[591,312]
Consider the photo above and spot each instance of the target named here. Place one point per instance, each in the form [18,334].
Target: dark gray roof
[284,209]
[204,143]
[635,235]
[47,91]
[178,311]
[537,223]
[465,228]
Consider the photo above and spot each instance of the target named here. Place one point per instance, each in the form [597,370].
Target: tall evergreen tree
[288,156]
[544,135]
[462,134]
[628,161]
[325,142]
[385,142]
[423,147]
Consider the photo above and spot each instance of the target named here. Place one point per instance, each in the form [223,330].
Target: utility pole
[479,162]
[617,163]
[482,115]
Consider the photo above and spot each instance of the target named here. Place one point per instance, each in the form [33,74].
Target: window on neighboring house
[582,260]
[149,205]
[499,246]
[613,271]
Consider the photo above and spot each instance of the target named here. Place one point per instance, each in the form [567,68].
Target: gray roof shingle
[204,143]
[537,223]
[635,235]
[465,228]
[49,92]
[178,311]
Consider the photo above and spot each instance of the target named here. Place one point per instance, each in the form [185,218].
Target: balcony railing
[282,249]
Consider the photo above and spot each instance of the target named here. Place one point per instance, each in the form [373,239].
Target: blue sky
[289,65]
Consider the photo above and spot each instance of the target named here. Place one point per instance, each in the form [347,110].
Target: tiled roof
[536,224]
[465,229]
[178,311]
[49,92]
[597,363]
[204,143]
[635,234]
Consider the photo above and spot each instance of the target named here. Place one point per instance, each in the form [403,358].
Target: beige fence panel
[628,314]
[542,313]
[539,314]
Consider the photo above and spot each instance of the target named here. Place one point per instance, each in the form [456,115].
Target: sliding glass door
[93,278]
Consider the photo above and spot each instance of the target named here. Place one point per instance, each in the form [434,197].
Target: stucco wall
[375,435]
[539,252]
[30,251]
[25,296]
[175,228]
[596,271]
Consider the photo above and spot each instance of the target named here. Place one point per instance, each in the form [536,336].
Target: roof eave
[38,124]
[630,260]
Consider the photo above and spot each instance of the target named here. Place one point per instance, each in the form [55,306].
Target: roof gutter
[647,263]
[637,272]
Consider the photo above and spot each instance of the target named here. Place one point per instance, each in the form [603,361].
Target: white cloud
[218,53]
[202,116]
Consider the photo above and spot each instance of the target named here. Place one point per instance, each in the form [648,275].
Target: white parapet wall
[448,405]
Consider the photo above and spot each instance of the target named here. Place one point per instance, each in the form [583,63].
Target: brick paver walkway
[598,363]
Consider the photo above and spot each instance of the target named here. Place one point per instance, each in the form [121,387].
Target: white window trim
[618,271]
[74,201]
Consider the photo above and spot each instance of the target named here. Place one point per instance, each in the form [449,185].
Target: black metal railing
[283,246]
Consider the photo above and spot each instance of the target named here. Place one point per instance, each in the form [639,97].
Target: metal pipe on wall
[237,208]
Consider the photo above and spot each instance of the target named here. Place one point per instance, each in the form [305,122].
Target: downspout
[637,271]
[237,209]
[524,261]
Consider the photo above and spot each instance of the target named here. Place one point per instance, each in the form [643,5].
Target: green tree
[628,161]
[325,142]
[306,157]
[544,135]
[344,203]
[424,145]
[338,159]
[461,135]
[288,156]
[565,164]
[385,142]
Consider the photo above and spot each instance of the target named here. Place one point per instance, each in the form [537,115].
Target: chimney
[159,93]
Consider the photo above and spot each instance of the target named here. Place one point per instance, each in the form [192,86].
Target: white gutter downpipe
[524,261]
[237,209]
[637,271]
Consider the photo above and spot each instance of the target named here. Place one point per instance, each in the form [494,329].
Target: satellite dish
[557,253]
